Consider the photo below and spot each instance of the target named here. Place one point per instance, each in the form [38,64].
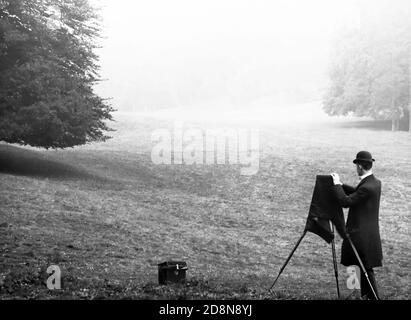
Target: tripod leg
[335,262]
[288,259]
[362,267]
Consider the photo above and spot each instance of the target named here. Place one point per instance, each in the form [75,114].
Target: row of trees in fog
[370,70]
[48,68]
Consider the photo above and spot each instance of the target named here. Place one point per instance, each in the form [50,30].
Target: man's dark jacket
[362,222]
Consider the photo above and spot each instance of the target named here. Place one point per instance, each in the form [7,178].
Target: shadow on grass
[376,125]
[19,161]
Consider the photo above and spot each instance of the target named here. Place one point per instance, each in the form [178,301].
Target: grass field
[106,215]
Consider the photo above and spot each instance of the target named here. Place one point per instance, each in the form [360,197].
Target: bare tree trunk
[409,85]
[395,124]
[394,115]
[409,118]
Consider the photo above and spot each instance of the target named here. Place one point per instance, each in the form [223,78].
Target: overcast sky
[163,53]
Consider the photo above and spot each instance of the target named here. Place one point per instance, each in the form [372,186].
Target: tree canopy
[48,68]
[371,69]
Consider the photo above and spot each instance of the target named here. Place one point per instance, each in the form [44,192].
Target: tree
[371,70]
[47,72]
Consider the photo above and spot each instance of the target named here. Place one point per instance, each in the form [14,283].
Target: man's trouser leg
[365,287]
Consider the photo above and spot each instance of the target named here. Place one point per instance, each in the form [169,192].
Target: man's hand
[336,178]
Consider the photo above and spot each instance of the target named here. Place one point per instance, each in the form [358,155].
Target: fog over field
[221,54]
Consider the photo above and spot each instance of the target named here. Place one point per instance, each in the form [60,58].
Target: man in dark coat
[363,220]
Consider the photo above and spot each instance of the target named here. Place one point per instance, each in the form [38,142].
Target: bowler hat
[363,156]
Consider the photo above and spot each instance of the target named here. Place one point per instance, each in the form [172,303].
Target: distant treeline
[370,70]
